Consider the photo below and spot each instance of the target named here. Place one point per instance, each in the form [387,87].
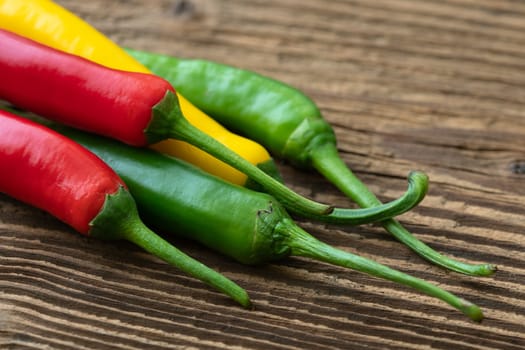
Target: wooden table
[431,85]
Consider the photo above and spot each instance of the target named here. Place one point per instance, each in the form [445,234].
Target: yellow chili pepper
[49,23]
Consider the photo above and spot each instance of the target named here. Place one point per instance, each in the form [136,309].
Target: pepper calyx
[165,115]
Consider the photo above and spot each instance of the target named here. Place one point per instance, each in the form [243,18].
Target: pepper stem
[417,189]
[326,160]
[303,244]
[119,219]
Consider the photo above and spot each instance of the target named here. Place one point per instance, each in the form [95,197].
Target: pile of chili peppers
[58,67]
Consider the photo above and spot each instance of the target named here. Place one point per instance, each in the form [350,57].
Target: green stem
[327,161]
[303,244]
[165,251]
[417,189]
[119,219]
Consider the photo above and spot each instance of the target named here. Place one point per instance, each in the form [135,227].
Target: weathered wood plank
[434,85]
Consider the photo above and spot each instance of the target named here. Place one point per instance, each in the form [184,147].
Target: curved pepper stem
[417,189]
[119,219]
[327,161]
[303,244]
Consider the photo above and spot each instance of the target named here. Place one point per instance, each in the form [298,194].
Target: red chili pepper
[52,173]
[76,92]
[45,169]
[135,108]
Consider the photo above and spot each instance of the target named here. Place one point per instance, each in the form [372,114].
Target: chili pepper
[47,170]
[53,25]
[254,230]
[288,123]
[139,109]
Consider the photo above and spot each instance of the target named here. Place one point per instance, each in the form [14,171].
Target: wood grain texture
[429,85]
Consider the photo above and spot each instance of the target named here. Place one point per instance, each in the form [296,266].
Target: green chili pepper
[286,122]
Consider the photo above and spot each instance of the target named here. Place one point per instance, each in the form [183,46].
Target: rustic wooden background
[430,85]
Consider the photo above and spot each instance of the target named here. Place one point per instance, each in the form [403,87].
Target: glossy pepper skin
[78,92]
[49,171]
[42,168]
[51,24]
[255,228]
[289,124]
